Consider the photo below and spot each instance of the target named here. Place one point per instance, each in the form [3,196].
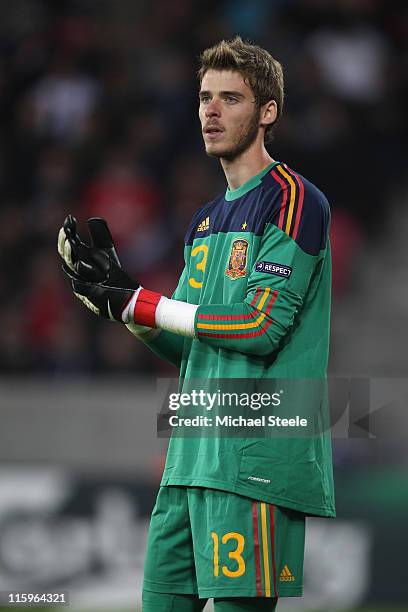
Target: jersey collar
[233,194]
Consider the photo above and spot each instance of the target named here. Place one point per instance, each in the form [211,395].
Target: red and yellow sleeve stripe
[293,192]
[218,324]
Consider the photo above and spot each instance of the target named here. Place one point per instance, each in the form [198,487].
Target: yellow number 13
[236,554]
[201,248]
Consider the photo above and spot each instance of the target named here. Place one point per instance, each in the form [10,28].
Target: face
[229,116]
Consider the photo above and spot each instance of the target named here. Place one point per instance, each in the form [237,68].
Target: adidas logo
[286,575]
[204,225]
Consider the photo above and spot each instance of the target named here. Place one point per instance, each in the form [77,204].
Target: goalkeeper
[253,302]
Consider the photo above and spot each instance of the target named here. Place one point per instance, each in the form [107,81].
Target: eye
[204,99]
[231,99]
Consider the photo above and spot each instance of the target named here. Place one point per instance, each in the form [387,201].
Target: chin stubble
[244,141]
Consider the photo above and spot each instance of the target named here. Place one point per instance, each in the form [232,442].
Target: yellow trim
[235,554]
[216,558]
[239,325]
[265,550]
[292,199]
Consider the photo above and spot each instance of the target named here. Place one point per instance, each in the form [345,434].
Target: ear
[269,113]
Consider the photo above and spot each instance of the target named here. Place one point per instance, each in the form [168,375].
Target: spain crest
[237,264]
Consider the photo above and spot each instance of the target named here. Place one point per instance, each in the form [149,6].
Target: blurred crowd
[98,113]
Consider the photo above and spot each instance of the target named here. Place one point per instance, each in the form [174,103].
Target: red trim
[144,312]
[253,334]
[251,315]
[213,317]
[241,336]
[258,291]
[300,201]
[256,547]
[272,529]
[284,198]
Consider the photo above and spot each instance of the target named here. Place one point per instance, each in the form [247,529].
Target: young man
[252,302]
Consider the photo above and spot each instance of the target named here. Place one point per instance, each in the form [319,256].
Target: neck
[252,161]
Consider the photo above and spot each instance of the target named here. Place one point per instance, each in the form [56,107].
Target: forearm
[253,327]
[164,344]
[238,327]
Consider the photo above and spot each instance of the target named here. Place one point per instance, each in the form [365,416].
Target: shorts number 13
[236,554]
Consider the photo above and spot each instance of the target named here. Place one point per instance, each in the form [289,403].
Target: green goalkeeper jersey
[257,262]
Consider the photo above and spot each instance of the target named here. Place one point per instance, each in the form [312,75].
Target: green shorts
[213,543]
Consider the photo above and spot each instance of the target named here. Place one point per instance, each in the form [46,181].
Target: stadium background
[98,107]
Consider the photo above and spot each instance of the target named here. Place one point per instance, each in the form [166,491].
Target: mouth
[212,132]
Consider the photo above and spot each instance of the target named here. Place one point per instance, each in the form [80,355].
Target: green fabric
[211,543]
[288,341]
[233,194]
[245,604]
[298,472]
[167,346]
[169,602]
[239,294]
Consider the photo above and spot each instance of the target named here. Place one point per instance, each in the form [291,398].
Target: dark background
[98,116]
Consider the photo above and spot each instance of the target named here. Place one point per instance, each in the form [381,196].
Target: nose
[213,108]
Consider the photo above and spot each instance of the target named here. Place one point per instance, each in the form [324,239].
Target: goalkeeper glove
[100,283]
[96,274]
[80,257]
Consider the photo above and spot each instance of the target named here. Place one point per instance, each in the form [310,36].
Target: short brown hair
[260,71]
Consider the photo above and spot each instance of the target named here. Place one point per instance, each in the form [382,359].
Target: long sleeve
[277,286]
